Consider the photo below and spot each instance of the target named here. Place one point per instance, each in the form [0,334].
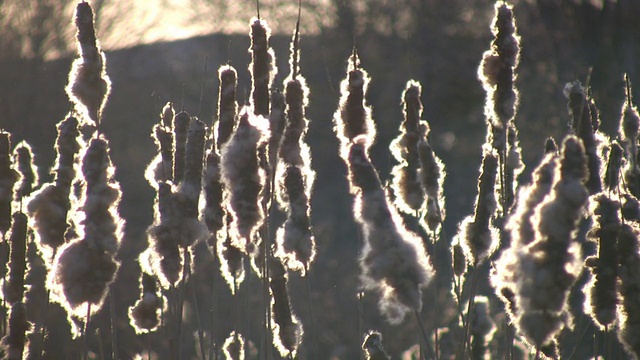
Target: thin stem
[113,325]
[185,272]
[85,334]
[425,335]
[360,295]
[467,323]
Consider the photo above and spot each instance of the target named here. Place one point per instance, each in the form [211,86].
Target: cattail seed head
[629,289]
[231,263]
[582,125]
[477,234]
[15,342]
[601,296]
[372,347]
[227,107]
[614,163]
[8,177]
[213,212]
[28,173]
[243,178]
[14,288]
[292,150]
[287,330]
[180,129]
[431,175]
[145,314]
[459,261]
[89,84]
[354,116]
[262,68]
[482,327]
[393,260]
[549,265]
[406,181]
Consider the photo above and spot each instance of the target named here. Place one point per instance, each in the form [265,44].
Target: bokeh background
[169,50]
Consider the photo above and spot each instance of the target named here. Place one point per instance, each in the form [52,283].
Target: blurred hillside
[440,44]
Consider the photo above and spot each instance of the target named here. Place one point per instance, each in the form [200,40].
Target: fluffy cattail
[512,166]
[549,265]
[145,314]
[477,234]
[629,289]
[165,236]
[601,299]
[48,207]
[581,112]
[354,117]
[372,347]
[630,208]
[14,287]
[287,330]
[8,178]
[262,68]
[243,178]
[231,263]
[85,267]
[393,260]
[459,260]
[15,342]
[88,81]
[482,328]
[406,181]
[161,167]
[233,347]
[180,129]
[431,175]
[227,107]
[295,242]
[191,186]
[27,170]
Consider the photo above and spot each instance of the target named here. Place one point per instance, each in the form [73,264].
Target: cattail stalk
[15,342]
[227,106]
[372,347]
[180,128]
[431,176]
[14,288]
[630,131]
[26,168]
[393,260]
[145,314]
[233,347]
[628,315]
[482,328]
[89,84]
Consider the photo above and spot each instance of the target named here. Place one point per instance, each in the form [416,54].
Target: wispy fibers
[372,347]
[601,296]
[261,66]
[89,84]
[48,207]
[145,314]
[287,329]
[353,117]
[85,267]
[497,72]
[584,124]
[547,267]
[406,182]
[478,236]
[243,179]
[393,261]
[628,315]
[8,178]
[26,167]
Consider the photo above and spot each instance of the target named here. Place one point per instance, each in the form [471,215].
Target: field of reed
[234,264]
